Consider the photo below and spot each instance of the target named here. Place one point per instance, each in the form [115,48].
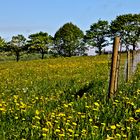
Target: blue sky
[31,16]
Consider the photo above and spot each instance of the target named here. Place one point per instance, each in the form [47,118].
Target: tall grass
[65,98]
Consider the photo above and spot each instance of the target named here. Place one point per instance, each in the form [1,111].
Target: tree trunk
[100,50]
[134,47]
[17,56]
[42,55]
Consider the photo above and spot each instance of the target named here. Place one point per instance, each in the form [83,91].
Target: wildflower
[87,106]
[128,128]
[70,130]
[57,130]
[124,136]
[65,105]
[56,121]
[16,117]
[2,109]
[49,123]
[90,120]
[96,104]
[79,113]
[45,129]
[83,116]
[74,123]
[118,135]
[67,123]
[118,125]
[69,117]
[96,127]
[131,119]
[113,127]
[61,114]
[23,119]
[103,124]
[138,110]
[76,135]
[44,135]
[61,135]
[37,112]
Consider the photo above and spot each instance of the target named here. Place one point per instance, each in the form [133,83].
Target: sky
[31,16]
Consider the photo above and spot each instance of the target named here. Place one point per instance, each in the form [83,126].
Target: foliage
[128,27]
[40,42]
[2,44]
[17,45]
[96,35]
[68,40]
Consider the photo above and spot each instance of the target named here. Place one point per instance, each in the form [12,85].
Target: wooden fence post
[128,66]
[117,74]
[113,71]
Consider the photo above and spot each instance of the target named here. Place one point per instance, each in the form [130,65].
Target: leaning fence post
[113,67]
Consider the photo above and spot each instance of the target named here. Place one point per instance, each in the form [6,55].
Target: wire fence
[123,66]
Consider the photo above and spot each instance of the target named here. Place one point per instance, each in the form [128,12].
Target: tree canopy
[2,44]
[17,45]
[96,35]
[40,41]
[68,40]
[128,28]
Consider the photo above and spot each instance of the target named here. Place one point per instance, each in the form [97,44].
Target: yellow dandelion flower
[113,127]
[76,135]
[56,121]
[118,135]
[128,128]
[62,135]
[16,117]
[65,105]
[118,125]
[74,123]
[57,130]
[138,110]
[44,135]
[70,130]
[90,120]
[124,136]
[37,112]
[96,104]
[45,129]
[103,124]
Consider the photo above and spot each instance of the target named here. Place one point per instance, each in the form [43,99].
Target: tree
[17,45]
[40,42]
[96,35]
[68,40]
[128,28]
[2,44]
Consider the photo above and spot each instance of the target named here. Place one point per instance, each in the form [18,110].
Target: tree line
[70,40]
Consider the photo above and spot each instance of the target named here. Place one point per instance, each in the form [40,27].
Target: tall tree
[97,35]
[68,40]
[128,28]
[17,45]
[40,42]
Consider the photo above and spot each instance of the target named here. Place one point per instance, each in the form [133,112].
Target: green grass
[65,98]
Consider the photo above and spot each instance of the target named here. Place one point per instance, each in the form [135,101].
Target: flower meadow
[66,99]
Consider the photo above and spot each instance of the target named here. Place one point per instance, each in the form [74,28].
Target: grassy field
[65,98]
